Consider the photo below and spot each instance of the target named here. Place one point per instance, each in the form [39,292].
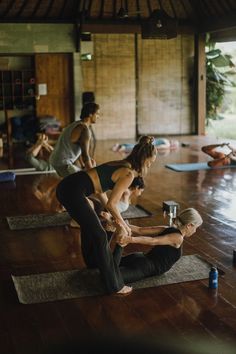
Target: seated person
[166,247]
[41,147]
[160,143]
[223,154]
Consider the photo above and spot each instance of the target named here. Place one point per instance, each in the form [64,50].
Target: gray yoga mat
[136,211]
[58,219]
[38,220]
[36,288]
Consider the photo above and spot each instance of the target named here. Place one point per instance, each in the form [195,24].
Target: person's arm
[147,230]
[232,156]
[121,185]
[103,198]
[48,147]
[84,142]
[173,239]
[35,149]
[126,197]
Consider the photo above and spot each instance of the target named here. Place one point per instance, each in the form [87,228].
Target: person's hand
[122,239]
[128,230]
[93,163]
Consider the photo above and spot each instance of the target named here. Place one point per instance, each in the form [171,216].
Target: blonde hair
[188,216]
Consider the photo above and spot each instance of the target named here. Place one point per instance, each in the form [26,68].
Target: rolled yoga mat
[36,288]
[27,171]
[187,167]
[23,222]
[7,176]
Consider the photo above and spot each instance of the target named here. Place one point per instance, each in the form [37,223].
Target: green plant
[218,67]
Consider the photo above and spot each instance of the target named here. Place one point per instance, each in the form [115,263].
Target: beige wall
[36,38]
[164,93]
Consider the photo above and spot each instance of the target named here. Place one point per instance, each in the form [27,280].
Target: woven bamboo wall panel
[111,76]
[164,91]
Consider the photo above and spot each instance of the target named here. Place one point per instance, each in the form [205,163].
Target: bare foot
[126,290]
[73,223]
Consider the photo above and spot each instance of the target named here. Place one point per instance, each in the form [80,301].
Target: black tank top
[164,257]
[105,172]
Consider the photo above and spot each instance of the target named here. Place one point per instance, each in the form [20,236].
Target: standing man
[73,144]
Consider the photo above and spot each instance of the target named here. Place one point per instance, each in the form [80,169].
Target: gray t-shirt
[65,152]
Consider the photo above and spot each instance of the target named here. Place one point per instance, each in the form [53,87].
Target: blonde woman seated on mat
[223,154]
[166,245]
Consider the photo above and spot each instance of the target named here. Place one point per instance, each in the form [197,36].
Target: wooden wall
[163,89]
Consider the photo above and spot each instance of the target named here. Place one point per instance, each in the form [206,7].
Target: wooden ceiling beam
[149,7]
[49,7]
[89,8]
[114,11]
[37,5]
[8,8]
[128,26]
[62,9]
[173,9]
[101,9]
[224,36]
[21,9]
[138,9]
[184,7]
[218,24]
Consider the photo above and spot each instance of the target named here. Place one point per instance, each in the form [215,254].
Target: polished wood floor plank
[186,310]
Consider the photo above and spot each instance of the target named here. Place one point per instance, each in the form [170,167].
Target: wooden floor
[188,312]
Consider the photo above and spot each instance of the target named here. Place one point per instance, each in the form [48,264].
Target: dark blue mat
[186,167]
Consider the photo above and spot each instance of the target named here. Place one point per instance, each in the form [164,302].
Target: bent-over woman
[117,176]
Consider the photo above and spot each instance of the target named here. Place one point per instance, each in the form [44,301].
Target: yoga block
[170,206]
[7,176]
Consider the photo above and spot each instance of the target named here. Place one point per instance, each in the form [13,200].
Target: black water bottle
[213,278]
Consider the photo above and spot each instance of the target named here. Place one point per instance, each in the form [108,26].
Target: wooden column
[200,87]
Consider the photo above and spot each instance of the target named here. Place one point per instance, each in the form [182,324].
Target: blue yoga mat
[7,176]
[186,167]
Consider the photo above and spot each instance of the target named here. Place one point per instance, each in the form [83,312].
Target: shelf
[17,89]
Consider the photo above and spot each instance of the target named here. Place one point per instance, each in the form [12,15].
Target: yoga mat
[38,220]
[58,219]
[15,170]
[135,211]
[186,167]
[7,176]
[24,173]
[27,171]
[36,288]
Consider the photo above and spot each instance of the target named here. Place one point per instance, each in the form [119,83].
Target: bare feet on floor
[126,290]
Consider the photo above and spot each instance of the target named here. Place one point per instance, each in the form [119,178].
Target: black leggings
[135,266]
[71,193]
